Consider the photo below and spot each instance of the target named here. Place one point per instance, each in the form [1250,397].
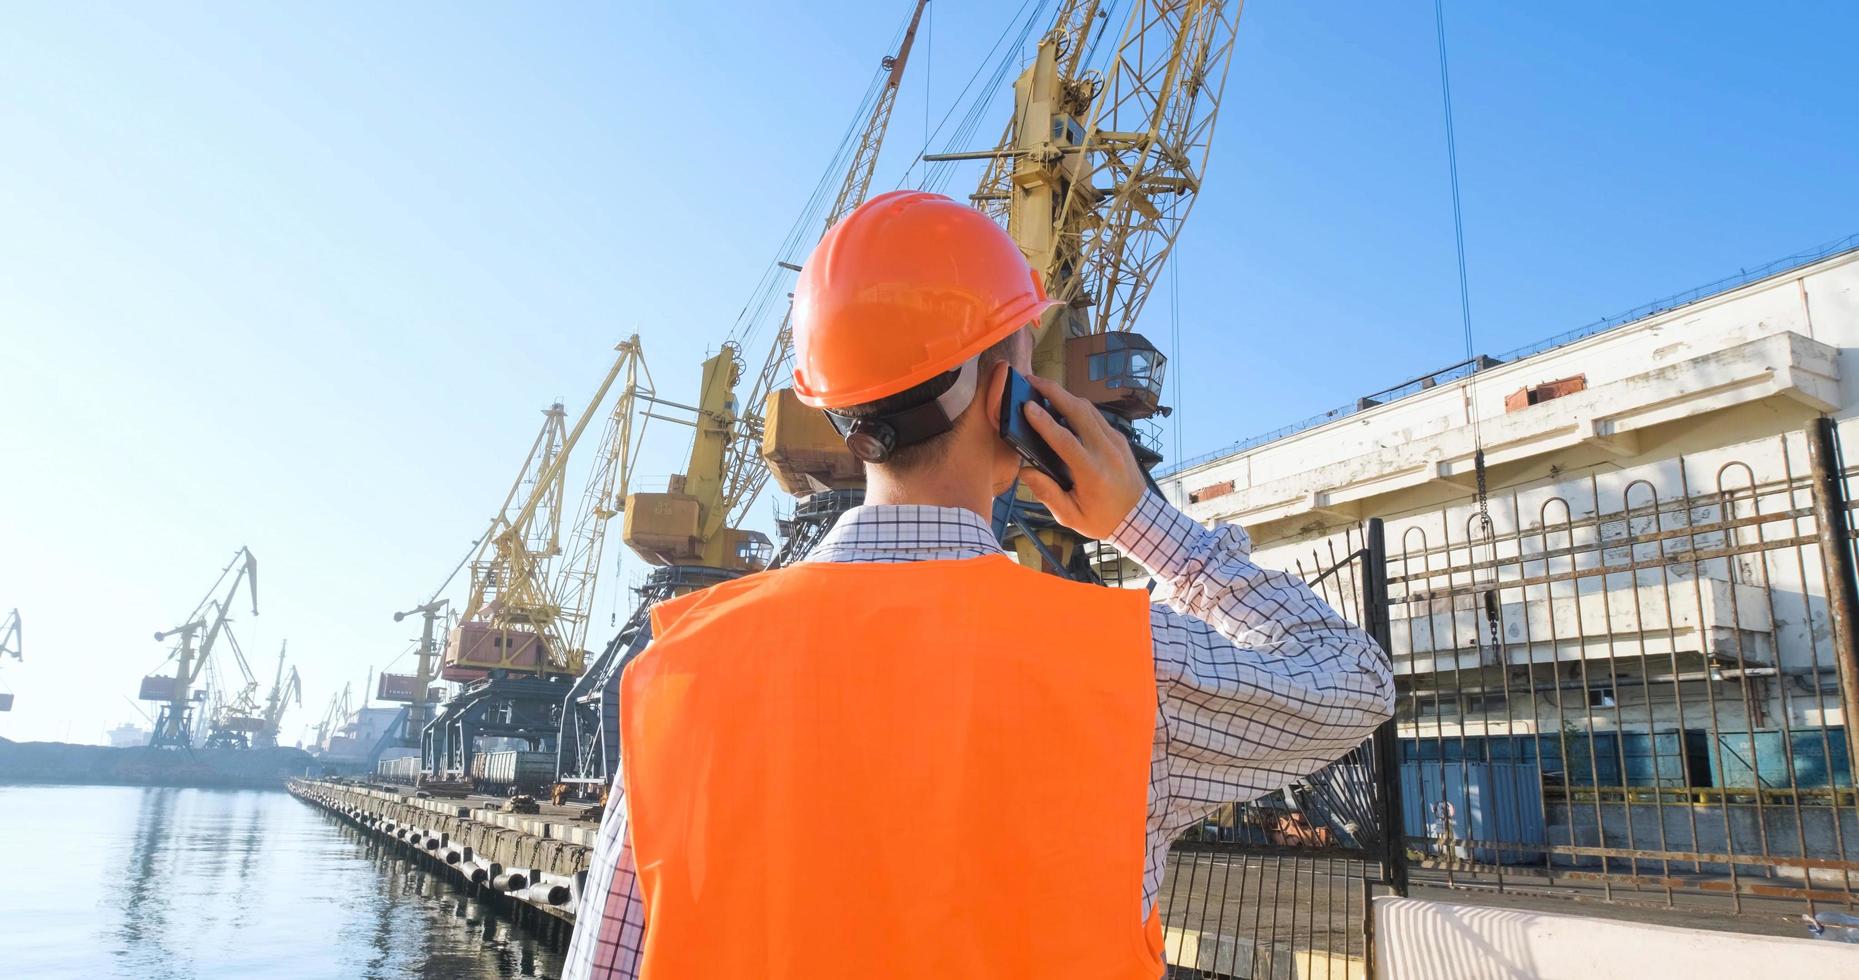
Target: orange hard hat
[906,287]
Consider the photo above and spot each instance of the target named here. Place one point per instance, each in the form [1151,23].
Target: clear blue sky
[302,277]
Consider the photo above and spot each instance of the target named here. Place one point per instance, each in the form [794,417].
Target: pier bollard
[546,894]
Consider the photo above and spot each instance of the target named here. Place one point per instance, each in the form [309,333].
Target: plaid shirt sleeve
[1260,680]
[610,920]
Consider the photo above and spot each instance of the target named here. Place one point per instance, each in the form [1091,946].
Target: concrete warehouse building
[1691,417]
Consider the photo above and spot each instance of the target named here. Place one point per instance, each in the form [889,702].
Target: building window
[1486,704]
[1428,707]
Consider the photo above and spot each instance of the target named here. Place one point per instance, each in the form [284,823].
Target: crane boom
[221,608]
[748,469]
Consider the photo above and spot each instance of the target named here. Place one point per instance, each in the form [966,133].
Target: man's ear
[993,389]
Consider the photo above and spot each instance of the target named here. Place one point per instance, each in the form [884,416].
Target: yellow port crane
[1094,176]
[417,690]
[527,609]
[518,641]
[174,724]
[286,689]
[693,531]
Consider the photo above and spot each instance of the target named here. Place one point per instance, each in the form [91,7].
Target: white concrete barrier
[1422,940]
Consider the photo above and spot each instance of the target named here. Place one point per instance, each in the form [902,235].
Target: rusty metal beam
[1830,512]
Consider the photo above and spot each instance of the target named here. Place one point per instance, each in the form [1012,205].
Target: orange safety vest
[922,770]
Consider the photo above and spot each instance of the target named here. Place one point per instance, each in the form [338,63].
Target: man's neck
[930,488]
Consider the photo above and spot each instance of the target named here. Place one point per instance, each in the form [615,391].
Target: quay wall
[538,863]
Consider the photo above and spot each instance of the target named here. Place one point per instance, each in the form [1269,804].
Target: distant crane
[10,636]
[9,643]
[174,724]
[419,700]
[333,719]
[284,688]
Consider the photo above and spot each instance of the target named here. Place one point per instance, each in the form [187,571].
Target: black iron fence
[1629,686]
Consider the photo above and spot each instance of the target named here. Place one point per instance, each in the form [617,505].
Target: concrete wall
[1422,940]
[1804,326]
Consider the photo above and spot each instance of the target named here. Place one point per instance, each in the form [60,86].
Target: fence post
[1823,460]
[1376,617]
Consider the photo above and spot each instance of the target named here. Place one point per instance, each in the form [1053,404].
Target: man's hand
[1106,482]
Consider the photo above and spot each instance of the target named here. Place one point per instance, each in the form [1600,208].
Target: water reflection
[142,907]
[163,882]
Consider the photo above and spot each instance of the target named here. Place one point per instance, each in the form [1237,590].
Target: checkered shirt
[1259,682]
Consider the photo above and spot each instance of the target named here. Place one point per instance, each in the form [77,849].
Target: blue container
[1578,758]
[1745,759]
[1653,759]
[1592,758]
[1497,802]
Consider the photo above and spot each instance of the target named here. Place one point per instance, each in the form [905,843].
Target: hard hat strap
[875,438]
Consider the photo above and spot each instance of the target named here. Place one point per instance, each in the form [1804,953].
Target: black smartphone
[1020,434]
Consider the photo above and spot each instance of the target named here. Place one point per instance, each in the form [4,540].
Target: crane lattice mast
[1098,170]
[1094,178]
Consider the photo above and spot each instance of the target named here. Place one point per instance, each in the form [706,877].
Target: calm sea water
[108,881]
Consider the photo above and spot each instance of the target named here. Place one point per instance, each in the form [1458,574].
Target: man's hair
[931,451]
